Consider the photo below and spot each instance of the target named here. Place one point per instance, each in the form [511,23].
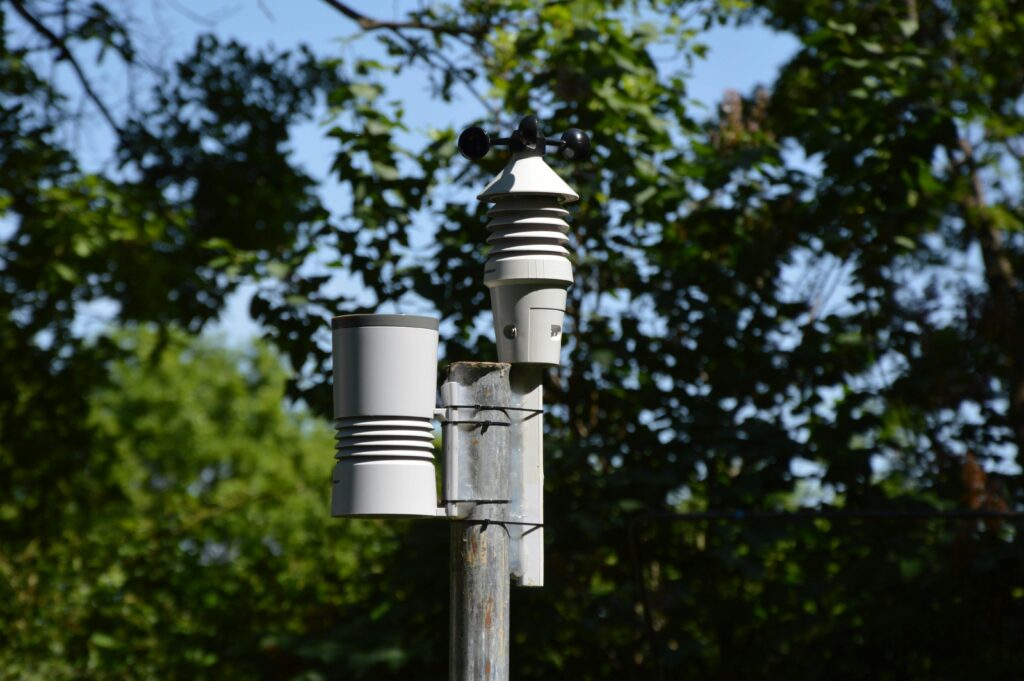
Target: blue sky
[737,59]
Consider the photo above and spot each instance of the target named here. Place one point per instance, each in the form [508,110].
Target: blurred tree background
[811,298]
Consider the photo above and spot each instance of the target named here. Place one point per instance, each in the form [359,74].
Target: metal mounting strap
[475,454]
[491,407]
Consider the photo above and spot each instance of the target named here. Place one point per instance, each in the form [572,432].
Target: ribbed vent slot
[528,226]
[384,437]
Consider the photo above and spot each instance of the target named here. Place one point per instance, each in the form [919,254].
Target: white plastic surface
[384,371]
[383,488]
[527,498]
[527,173]
[385,381]
[528,323]
[383,422]
[345,433]
[394,452]
[528,268]
[383,443]
[538,271]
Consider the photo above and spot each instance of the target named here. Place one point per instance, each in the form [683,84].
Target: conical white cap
[527,173]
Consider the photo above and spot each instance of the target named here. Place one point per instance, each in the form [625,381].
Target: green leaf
[846,28]
[908,27]
[65,272]
[101,640]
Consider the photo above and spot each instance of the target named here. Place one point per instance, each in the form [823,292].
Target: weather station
[491,414]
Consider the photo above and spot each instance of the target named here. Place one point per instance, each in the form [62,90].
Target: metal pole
[478,440]
[527,475]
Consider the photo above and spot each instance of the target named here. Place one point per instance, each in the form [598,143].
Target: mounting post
[526,508]
[478,441]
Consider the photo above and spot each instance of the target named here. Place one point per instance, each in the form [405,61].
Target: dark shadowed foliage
[811,297]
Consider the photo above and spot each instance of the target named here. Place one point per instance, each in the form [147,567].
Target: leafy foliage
[207,552]
[810,297]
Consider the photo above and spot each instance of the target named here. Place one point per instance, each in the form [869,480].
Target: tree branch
[370,24]
[367,23]
[64,53]
[998,264]
[1004,286]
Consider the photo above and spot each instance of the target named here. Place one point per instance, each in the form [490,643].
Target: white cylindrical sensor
[383,488]
[528,268]
[385,382]
[384,365]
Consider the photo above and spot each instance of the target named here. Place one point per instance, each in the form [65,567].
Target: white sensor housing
[528,269]
[385,381]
